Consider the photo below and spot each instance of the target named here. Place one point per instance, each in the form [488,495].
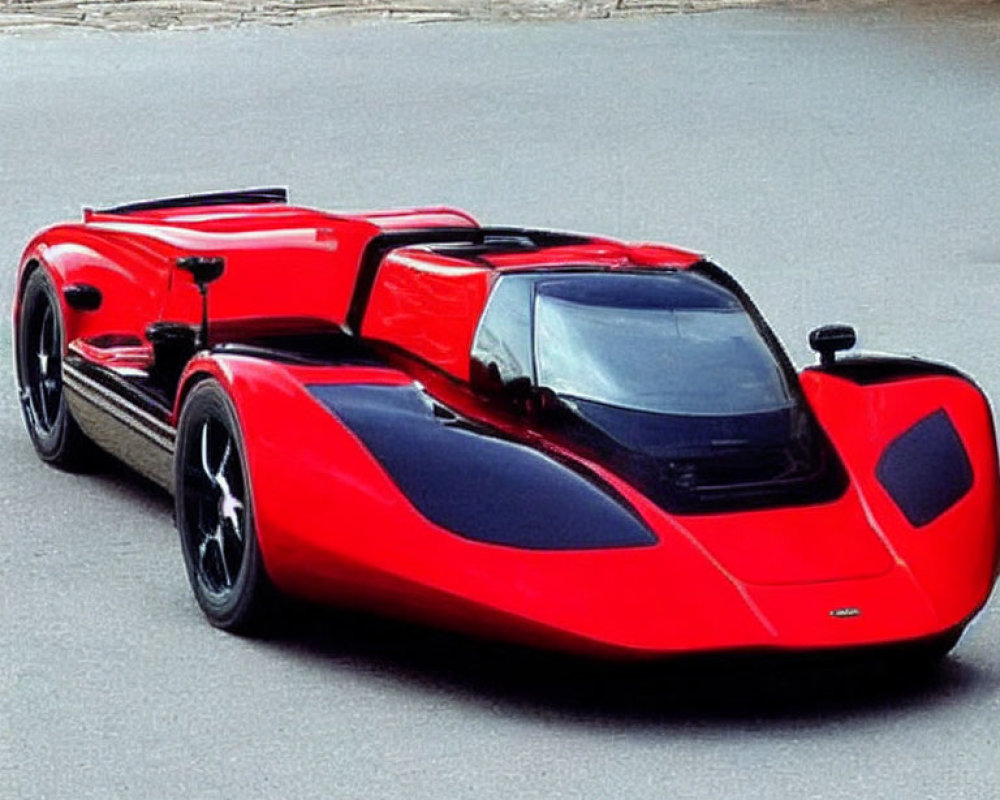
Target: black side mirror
[204,270]
[828,339]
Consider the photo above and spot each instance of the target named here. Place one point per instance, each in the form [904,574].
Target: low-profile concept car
[559,439]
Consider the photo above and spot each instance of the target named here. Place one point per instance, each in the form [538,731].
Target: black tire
[214,513]
[40,343]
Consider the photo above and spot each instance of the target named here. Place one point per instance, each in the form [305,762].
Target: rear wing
[274,194]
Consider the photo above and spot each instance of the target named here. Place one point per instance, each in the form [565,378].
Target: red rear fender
[132,288]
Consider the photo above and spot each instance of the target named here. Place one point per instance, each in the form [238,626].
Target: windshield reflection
[651,346]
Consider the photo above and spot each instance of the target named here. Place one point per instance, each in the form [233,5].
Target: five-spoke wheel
[215,513]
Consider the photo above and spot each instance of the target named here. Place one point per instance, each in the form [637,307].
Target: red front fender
[954,558]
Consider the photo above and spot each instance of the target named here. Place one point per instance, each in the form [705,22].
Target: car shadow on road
[749,689]
[122,481]
[725,689]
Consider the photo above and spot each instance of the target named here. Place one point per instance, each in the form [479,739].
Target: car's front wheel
[214,512]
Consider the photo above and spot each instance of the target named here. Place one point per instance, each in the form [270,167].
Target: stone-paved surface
[146,14]
[140,15]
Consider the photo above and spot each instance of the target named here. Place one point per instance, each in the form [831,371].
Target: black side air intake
[926,469]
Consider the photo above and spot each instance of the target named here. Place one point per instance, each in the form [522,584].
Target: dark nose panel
[471,481]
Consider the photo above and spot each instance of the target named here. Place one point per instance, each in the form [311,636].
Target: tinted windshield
[666,343]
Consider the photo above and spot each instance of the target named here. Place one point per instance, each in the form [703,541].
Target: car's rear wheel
[40,342]
[214,512]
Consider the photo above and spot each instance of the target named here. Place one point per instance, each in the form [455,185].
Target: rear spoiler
[238,197]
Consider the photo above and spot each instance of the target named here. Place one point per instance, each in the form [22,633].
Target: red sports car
[564,440]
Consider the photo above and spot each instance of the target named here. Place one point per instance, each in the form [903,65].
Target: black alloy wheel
[40,343]
[214,512]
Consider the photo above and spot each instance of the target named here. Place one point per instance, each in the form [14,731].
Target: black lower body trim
[131,431]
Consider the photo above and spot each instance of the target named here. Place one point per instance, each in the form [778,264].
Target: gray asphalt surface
[844,165]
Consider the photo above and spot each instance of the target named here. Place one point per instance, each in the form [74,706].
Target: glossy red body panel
[954,558]
[281,262]
[603,252]
[340,530]
[333,525]
[429,305]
